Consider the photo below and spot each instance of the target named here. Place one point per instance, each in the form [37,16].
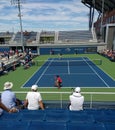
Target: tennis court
[79,71]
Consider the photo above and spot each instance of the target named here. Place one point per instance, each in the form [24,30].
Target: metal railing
[63,97]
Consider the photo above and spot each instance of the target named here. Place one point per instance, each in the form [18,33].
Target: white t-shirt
[33,100]
[76,100]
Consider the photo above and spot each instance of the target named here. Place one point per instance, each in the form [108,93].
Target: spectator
[3,107]
[60,56]
[58,81]
[2,65]
[8,98]
[33,99]
[76,100]
[51,52]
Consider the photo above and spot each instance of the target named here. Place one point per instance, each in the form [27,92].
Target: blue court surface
[74,72]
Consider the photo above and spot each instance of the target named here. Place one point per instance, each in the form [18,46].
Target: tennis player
[58,82]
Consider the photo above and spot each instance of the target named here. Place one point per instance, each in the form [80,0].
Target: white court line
[73,74]
[96,72]
[43,72]
[68,67]
[107,73]
[32,76]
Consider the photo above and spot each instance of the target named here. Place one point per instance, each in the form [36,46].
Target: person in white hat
[76,100]
[33,99]
[8,98]
[8,85]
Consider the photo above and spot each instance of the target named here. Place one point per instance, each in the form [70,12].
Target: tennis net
[68,62]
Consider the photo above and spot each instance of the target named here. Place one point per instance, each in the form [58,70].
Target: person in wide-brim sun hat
[8,85]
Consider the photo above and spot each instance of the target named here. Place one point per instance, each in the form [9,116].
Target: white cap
[34,87]
[77,89]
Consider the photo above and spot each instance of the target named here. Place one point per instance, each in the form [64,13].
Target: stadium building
[99,36]
[97,115]
[105,24]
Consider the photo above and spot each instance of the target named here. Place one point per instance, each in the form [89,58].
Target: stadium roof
[97,4]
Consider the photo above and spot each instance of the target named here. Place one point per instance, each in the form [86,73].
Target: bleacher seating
[14,125]
[59,119]
[49,37]
[6,34]
[86,126]
[73,36]
[35,125]
[28,37]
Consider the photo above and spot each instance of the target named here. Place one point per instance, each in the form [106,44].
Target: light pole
[102,10]
[18,3]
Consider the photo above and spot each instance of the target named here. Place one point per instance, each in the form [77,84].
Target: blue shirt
[8,98]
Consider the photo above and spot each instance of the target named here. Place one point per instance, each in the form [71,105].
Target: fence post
[91,100]
[61,100]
